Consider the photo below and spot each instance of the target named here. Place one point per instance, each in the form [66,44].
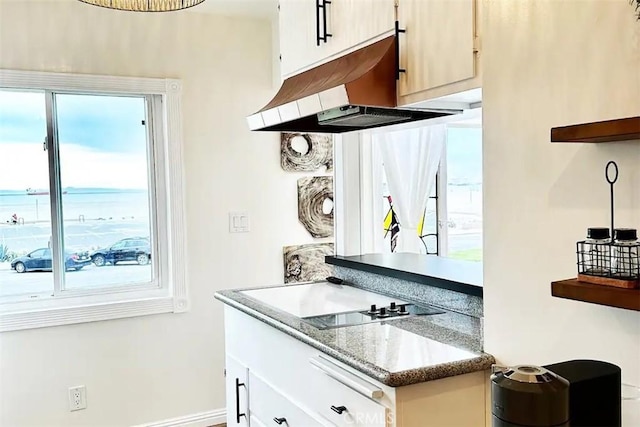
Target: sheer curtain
[411,158]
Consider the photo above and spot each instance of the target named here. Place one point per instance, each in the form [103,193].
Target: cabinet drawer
[255,422]
[237,397]
[340,397]
[273,409]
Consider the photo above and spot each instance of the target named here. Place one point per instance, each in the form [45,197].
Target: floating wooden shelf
[606,131]
[597,294]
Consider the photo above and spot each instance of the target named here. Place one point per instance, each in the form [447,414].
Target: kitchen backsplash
[418,292]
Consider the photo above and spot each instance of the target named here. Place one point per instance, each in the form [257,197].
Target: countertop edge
[434,281]
[396,379]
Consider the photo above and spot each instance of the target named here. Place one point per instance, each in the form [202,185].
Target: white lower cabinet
[276,380]
[344,398]
[237,387]
[255,422]
[273,408]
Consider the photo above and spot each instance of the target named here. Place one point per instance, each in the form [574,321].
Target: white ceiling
[250,8]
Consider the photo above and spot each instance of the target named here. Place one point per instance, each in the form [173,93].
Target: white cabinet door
[299,46]
[437,48]
[354,22]
[339,24]
[272,407]
[237,376]
[255,422]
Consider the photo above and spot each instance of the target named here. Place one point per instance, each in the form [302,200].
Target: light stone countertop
[396,353]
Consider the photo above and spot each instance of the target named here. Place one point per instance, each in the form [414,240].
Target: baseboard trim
[202,419]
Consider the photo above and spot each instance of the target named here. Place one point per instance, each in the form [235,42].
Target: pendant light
[145,5]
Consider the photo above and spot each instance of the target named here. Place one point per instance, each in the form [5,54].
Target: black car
[136,249]
[40,259]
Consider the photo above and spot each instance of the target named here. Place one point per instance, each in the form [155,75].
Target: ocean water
[76,205]
[92,219]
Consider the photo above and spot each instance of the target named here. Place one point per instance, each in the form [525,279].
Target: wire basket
[610,257]
[612,261]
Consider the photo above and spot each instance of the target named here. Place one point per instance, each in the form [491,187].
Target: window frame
[166,196]
[358,206]
[155,179]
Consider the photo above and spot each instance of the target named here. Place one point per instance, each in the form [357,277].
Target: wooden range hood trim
[368,75]
[605,131]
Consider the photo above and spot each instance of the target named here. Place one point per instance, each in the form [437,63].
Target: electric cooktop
[374,314]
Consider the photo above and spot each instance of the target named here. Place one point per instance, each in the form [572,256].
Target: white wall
[553,63]
[157,367]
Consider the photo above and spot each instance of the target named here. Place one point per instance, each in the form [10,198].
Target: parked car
[40,259]
[136,249]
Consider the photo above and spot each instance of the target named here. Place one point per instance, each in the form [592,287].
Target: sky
[102,141]
[464,155]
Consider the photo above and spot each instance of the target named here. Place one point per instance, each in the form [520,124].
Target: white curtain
[411,158]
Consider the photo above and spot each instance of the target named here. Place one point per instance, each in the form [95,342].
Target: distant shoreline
[71,190]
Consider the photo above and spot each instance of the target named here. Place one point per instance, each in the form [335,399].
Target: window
[85,198]
[451,225]
[462,213]
[427,227]
[40,253]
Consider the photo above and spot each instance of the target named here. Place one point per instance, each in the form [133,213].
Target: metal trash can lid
[529,374]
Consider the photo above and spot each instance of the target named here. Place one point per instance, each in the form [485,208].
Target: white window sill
[79,312]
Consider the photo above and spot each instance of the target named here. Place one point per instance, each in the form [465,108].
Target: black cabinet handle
[280,420]
[338,409]
[397,43]
[324,20]
[238,414]
[318,38]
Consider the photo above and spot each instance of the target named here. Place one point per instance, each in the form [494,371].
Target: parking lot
[31,283]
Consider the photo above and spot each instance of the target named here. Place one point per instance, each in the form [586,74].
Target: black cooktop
[374,314]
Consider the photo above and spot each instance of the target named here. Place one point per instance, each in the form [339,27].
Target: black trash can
[529,396]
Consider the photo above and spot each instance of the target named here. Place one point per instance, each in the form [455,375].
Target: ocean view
[92,204]
[92,218]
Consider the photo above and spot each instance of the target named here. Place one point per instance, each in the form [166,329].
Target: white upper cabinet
[300,29]
[438,47]
[315,31]
[354,22]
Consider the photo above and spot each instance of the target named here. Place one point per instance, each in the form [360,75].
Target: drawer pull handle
[324,20]
[318,36]
[338,409]
[280,420]
[346,378]
[397,45]
[238,413]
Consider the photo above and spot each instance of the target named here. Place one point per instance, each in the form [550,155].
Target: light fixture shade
[145,5]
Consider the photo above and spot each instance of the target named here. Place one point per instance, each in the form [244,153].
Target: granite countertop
[396,353]
[456,275]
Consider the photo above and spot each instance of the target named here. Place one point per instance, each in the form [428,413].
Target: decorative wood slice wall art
[315,205]
[306,152]
[305,263]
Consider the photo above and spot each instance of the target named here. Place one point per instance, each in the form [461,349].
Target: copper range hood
[354,92]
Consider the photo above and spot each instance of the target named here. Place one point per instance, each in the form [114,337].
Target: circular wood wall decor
[306,152]
[315,205]
[305,263]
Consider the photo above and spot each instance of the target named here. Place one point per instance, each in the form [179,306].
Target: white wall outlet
[239,222]
[77,398]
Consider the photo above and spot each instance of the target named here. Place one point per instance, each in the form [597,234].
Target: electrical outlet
[77,398]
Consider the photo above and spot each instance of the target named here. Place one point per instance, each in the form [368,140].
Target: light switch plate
[239,222]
